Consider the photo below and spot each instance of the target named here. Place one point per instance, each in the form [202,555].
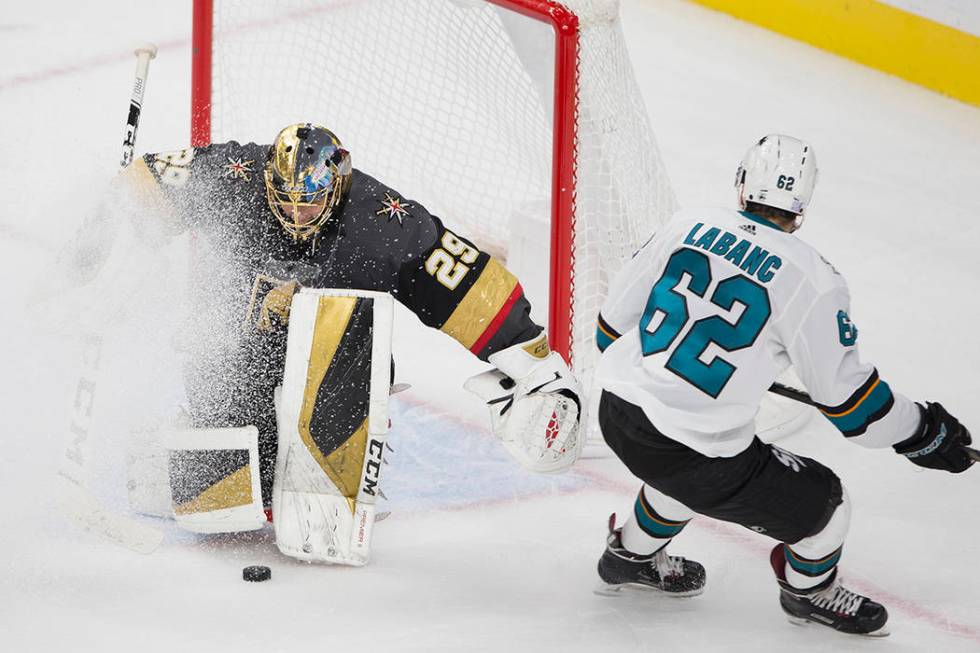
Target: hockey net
[518,122]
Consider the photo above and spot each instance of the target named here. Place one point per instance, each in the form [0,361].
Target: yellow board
[876,34]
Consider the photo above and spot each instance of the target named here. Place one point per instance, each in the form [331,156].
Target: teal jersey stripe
[601,339]
[865,412]
[653,527]
[605,335]
[812,567]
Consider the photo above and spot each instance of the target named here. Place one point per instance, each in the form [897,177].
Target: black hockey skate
[829,604]
[619,569]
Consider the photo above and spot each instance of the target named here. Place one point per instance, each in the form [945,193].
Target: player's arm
[465,293]
[861,404]
[134,213]
[628,293]
[175,190]
[472,297]
[157,190]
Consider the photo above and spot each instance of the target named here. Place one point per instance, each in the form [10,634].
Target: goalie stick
[144,54]
[75,497]
[802,397]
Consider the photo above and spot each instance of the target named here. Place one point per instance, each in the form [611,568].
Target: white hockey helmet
[779,171]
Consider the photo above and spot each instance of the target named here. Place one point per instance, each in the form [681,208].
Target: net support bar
[562,265]
[201,73]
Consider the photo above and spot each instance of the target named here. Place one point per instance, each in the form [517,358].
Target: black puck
[256,573]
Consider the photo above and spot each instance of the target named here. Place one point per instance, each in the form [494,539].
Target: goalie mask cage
[497,115]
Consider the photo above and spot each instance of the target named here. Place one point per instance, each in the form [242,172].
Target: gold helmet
[307,167]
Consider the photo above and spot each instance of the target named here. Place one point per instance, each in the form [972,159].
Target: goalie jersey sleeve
[441,276]
[380,240]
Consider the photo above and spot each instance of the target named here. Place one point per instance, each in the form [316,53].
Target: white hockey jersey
[706,315]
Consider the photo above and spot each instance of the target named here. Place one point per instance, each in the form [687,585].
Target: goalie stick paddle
[804,398]
[76,499]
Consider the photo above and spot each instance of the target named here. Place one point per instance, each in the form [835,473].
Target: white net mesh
[451,103]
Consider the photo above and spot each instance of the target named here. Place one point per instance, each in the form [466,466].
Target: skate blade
[608,589]
[800,621]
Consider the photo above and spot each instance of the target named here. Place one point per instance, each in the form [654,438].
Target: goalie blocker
[333,419]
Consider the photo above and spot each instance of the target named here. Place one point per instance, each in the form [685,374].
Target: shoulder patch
[394,208]
[239,168]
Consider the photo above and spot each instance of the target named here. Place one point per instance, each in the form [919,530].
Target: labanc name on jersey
[740,252]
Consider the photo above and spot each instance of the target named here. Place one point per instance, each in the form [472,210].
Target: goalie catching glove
[535,406]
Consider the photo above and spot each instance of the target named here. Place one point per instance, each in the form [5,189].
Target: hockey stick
[804,398]
[77,500]
[144,54]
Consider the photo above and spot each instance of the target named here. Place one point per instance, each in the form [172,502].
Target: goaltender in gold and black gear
[268,220]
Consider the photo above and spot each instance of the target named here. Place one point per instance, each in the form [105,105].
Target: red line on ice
[110,59]
[83,66]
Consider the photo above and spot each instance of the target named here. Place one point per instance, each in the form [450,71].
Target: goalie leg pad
[214,480]
[333,420]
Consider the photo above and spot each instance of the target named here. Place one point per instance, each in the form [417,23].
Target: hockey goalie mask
[306,178]
[778,171]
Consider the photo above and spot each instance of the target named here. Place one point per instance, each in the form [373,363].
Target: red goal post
[623,192]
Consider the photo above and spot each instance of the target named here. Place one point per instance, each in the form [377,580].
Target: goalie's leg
[333,418]
[234,387]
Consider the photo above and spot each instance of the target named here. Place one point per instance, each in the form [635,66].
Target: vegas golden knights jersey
[377,240]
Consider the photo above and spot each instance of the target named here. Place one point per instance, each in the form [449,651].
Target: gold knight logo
[238,169]
[393,208]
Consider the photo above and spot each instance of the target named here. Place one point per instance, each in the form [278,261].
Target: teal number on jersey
[669,305]
[848,332]
[670,308]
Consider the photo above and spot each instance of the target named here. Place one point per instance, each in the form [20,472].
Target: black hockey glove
[940,442]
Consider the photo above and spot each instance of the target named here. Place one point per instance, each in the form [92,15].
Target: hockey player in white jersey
[695,329]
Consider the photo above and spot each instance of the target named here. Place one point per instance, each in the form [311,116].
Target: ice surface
[478,555]
[964,15]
